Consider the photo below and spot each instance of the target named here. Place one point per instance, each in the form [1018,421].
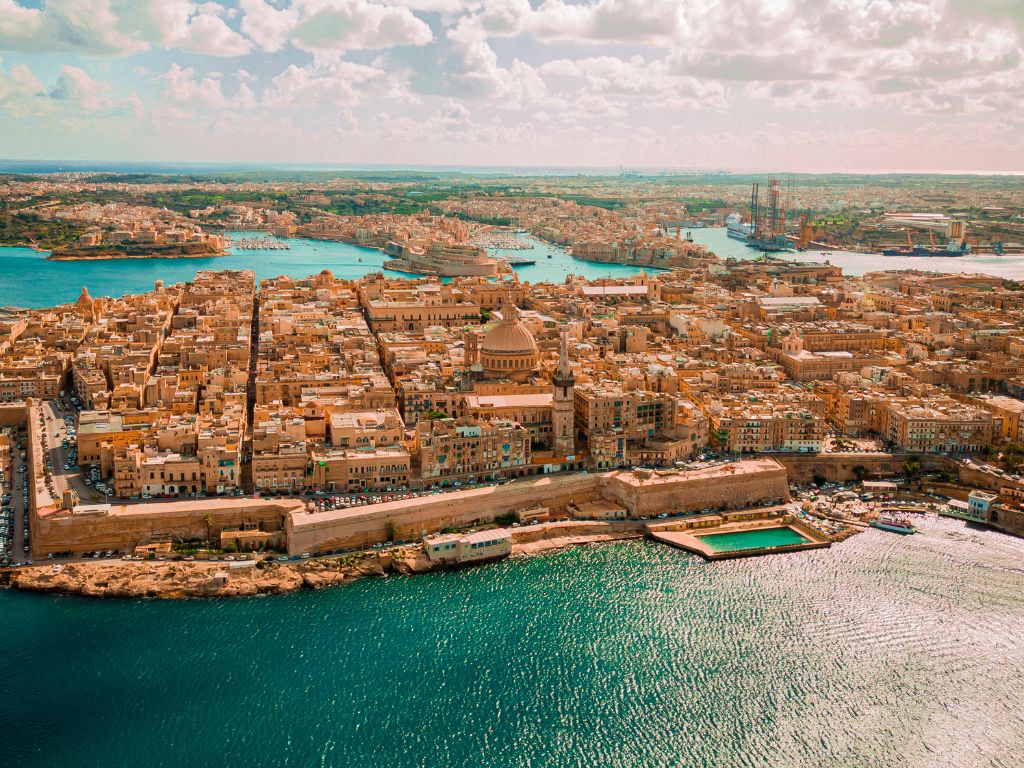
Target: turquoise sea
[1010,267]
[883,651]
[28,279]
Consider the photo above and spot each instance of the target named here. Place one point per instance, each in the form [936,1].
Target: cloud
[23,95]
[77,88]
[332,26]
[341,84]
[119,27]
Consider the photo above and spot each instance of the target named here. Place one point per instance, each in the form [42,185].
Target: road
[55,432]
[17,517]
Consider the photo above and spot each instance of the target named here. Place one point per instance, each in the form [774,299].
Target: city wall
[641,493]
[733,486]
[409,519]
[838,467]
[128,525]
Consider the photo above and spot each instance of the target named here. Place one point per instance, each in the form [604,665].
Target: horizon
[740,85]
[100,165]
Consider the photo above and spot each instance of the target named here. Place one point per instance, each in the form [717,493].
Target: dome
[509,338]
[509,350]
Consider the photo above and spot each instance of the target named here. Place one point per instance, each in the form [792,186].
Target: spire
[563,373]
[509,311]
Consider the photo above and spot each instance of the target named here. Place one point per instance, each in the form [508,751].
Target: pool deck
[690,539]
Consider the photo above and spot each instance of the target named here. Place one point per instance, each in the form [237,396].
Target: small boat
[894,524]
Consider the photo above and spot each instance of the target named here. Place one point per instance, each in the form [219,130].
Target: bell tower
[562,406]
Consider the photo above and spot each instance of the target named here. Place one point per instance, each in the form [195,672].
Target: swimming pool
[758,538]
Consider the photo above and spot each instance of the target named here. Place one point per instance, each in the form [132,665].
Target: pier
[260,244]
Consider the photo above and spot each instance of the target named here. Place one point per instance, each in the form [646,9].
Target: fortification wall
[748,486]
[407,520]
[838,467]
[125,529]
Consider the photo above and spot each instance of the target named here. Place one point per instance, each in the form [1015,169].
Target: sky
[744,85]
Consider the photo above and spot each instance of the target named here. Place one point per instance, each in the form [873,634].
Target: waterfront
[28,279]
[759,538]
[881,651]
[1010,267]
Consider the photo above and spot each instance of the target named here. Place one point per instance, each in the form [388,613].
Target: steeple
[563,373]
[562,403]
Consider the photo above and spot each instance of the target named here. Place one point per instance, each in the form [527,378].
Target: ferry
[894,524]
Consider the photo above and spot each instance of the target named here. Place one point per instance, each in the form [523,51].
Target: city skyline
[932,86]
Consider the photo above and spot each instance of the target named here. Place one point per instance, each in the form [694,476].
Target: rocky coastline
[170,580]
[112,255]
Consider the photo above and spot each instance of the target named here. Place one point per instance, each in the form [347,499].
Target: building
[475,546]
[455,451]
[563,403]
[508,350]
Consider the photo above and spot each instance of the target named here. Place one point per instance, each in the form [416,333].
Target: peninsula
[223,436]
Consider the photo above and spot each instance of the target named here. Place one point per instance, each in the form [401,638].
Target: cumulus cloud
[23,95]
[332,26]
[586,72]
[119,27]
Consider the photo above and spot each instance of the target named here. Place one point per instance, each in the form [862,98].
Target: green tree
[860,472]
[912,467]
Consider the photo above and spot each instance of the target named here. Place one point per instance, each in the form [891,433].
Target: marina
[260,244]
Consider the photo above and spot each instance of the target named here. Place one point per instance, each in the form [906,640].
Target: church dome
[509,338]
[509,350]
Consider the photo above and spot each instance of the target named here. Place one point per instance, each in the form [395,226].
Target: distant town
[323,428]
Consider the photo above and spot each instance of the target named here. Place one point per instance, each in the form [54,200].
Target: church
[507,384]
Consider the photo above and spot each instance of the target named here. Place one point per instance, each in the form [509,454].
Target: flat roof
[537,400]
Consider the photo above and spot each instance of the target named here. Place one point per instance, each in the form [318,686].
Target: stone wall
[407,520]
[132,524]
[838,467]
[751,483]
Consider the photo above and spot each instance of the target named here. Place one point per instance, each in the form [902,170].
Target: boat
[921,251]
[736,228]
[894,524]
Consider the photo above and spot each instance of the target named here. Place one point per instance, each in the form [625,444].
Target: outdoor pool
[759,538]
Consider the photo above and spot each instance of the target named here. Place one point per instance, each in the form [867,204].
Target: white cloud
[339,84]
[119,27]
[75,92]
[333,26]
[76,87]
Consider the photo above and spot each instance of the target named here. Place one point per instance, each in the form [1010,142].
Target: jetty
[259,244]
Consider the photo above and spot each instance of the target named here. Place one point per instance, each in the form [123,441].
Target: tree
[819,479]
[860,472]
[912,467]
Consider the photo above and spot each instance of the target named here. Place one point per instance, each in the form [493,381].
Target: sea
[28,279]
[883,651]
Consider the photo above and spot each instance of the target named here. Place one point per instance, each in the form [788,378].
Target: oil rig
[768,223]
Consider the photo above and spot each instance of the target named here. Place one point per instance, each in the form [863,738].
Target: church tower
[562,406]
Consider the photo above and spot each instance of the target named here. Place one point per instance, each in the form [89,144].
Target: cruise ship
[736,228]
